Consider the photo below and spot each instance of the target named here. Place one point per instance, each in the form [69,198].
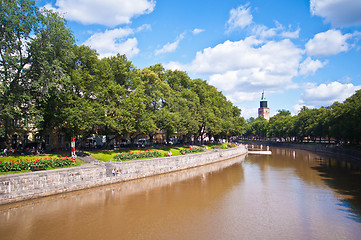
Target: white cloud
[297,108]
[310,66]
[170,47]
[291,34]
[239,17]
[109,13]
[175,66]
[114,41]
[328,43]
[340,13]
[326,94]
[242,17]
[248,112]
[144,27]
[241,68]
[243,96]
[264,32]
[197,31]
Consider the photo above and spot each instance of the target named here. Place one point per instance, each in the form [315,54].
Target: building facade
[263,110]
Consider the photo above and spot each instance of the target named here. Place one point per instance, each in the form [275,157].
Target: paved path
[84,157]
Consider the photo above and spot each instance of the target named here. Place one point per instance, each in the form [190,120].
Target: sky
[299,52]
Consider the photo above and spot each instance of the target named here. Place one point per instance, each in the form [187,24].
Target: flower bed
[192,149]
[231,145]
[28,164]
[220,146]
[136,155]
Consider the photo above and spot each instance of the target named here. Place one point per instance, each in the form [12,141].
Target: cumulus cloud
[248,112]
[310,66]
[340,13]
[328,43]
[297,108]
[242,67]
[326,94]
[239,17]
[110,13]
[170,47]
[114,41]
[243,96]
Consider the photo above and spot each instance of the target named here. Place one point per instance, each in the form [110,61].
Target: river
[292,194]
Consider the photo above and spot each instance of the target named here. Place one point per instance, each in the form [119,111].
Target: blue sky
[301,53]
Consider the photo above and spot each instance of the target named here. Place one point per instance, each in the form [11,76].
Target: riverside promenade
[26,186]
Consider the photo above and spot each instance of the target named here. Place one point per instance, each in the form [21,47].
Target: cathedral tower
[263,110]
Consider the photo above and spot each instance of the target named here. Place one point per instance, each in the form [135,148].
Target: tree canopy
[49,84]
[340,122]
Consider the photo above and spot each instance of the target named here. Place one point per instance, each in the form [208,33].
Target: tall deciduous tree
[52,51]
[19,21]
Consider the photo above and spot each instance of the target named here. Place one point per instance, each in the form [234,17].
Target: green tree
[183,103]
[207,109]
[280,125]
[259,127]
[346,119]
[19,21]
[52,51]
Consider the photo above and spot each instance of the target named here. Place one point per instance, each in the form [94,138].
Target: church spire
[263,98]
[263,110]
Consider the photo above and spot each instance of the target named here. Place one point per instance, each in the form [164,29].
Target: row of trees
[340,121]
[49,83]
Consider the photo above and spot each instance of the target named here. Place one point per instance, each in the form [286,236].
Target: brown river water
[291,194]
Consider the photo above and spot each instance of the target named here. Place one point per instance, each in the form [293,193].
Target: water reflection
[340,174]
[345,178]
[291,194]
[131,209]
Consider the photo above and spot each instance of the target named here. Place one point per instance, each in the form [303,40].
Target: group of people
[115,172]
[6,152]
[11,151]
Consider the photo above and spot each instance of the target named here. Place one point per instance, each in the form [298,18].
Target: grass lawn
[106,156]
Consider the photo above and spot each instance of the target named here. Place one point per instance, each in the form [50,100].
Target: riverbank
[354,155]
[26,186]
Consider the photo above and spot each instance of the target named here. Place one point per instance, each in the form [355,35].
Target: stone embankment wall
[25,186]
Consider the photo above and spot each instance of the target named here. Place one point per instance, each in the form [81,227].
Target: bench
[37,167]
